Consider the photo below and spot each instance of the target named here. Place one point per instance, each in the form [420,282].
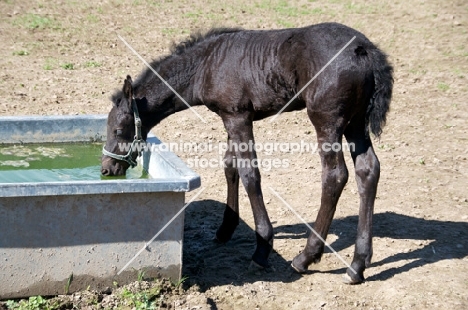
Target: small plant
[21,53]
[180,282]
[11,304]
[169,31]
[33,21]
[144,300]
[141,275]
[68,66]
[92,64]
[67,286]
[50,64]
[443,86]
[33,303]
[92,18]
[422,161]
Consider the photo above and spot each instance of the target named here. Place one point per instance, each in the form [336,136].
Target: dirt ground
[64,57]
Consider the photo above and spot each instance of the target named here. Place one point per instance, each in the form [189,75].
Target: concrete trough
[69,236]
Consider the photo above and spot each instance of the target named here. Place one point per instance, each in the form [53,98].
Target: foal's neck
[158,101]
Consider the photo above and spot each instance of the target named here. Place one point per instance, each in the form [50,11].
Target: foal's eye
[118,132]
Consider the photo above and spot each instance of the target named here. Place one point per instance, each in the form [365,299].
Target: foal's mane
[177,49]
[198,37]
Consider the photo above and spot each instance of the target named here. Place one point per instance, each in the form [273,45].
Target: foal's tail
[380,102]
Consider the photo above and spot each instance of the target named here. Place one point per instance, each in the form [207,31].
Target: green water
[55,162]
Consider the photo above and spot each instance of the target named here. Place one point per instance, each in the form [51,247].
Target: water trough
[68,236]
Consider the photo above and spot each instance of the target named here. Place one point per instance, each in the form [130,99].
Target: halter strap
[138,139]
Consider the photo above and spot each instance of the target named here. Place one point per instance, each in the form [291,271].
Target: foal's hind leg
[367,169]
[240,131]
[334,178]
[231,213]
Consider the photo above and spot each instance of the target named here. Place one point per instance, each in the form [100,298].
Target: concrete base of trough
[44,240]
[90,229]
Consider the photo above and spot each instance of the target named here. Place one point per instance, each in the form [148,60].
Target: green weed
[33,303]
[67,286]
[21,53]
[92,64]
[68,66]
[443,86]
[50,64]
[34,21]
[92,18]
[141,275]
[180,282]
[285,23]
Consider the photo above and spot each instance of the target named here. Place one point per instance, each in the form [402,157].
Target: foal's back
[260,71]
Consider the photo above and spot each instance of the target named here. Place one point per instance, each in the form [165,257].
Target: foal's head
[122,133]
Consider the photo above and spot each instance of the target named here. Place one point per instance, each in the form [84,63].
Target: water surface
[55,162]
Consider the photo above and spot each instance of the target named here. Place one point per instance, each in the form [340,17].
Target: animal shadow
[440,240]
[208,263]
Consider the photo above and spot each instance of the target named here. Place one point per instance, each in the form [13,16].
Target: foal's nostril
[104,171]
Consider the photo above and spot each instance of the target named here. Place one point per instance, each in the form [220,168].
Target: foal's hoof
[297,268]
[221,239]
[216,240]
[301,262]
[351,278]
[255,267]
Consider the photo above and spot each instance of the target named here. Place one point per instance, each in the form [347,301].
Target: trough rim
[186,179]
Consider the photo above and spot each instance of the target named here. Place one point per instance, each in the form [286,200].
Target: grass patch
[146,299]
[360,8]
[34,21]
[418,71]
[443,86]
[21,53]
[92,64]
[283,8]
[68,66]
[317,11]
[143,296]
[92,18]
[50,64]
[285,23]
[169,31]
[137,295]
[194,15]
[33,303]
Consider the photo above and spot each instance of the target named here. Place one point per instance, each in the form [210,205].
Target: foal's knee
[337,175]
[367,170]
[230,170]
[342,177]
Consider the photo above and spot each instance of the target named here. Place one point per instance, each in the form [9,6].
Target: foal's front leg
[240,131]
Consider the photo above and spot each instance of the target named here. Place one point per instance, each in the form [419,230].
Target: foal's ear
[128,88]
